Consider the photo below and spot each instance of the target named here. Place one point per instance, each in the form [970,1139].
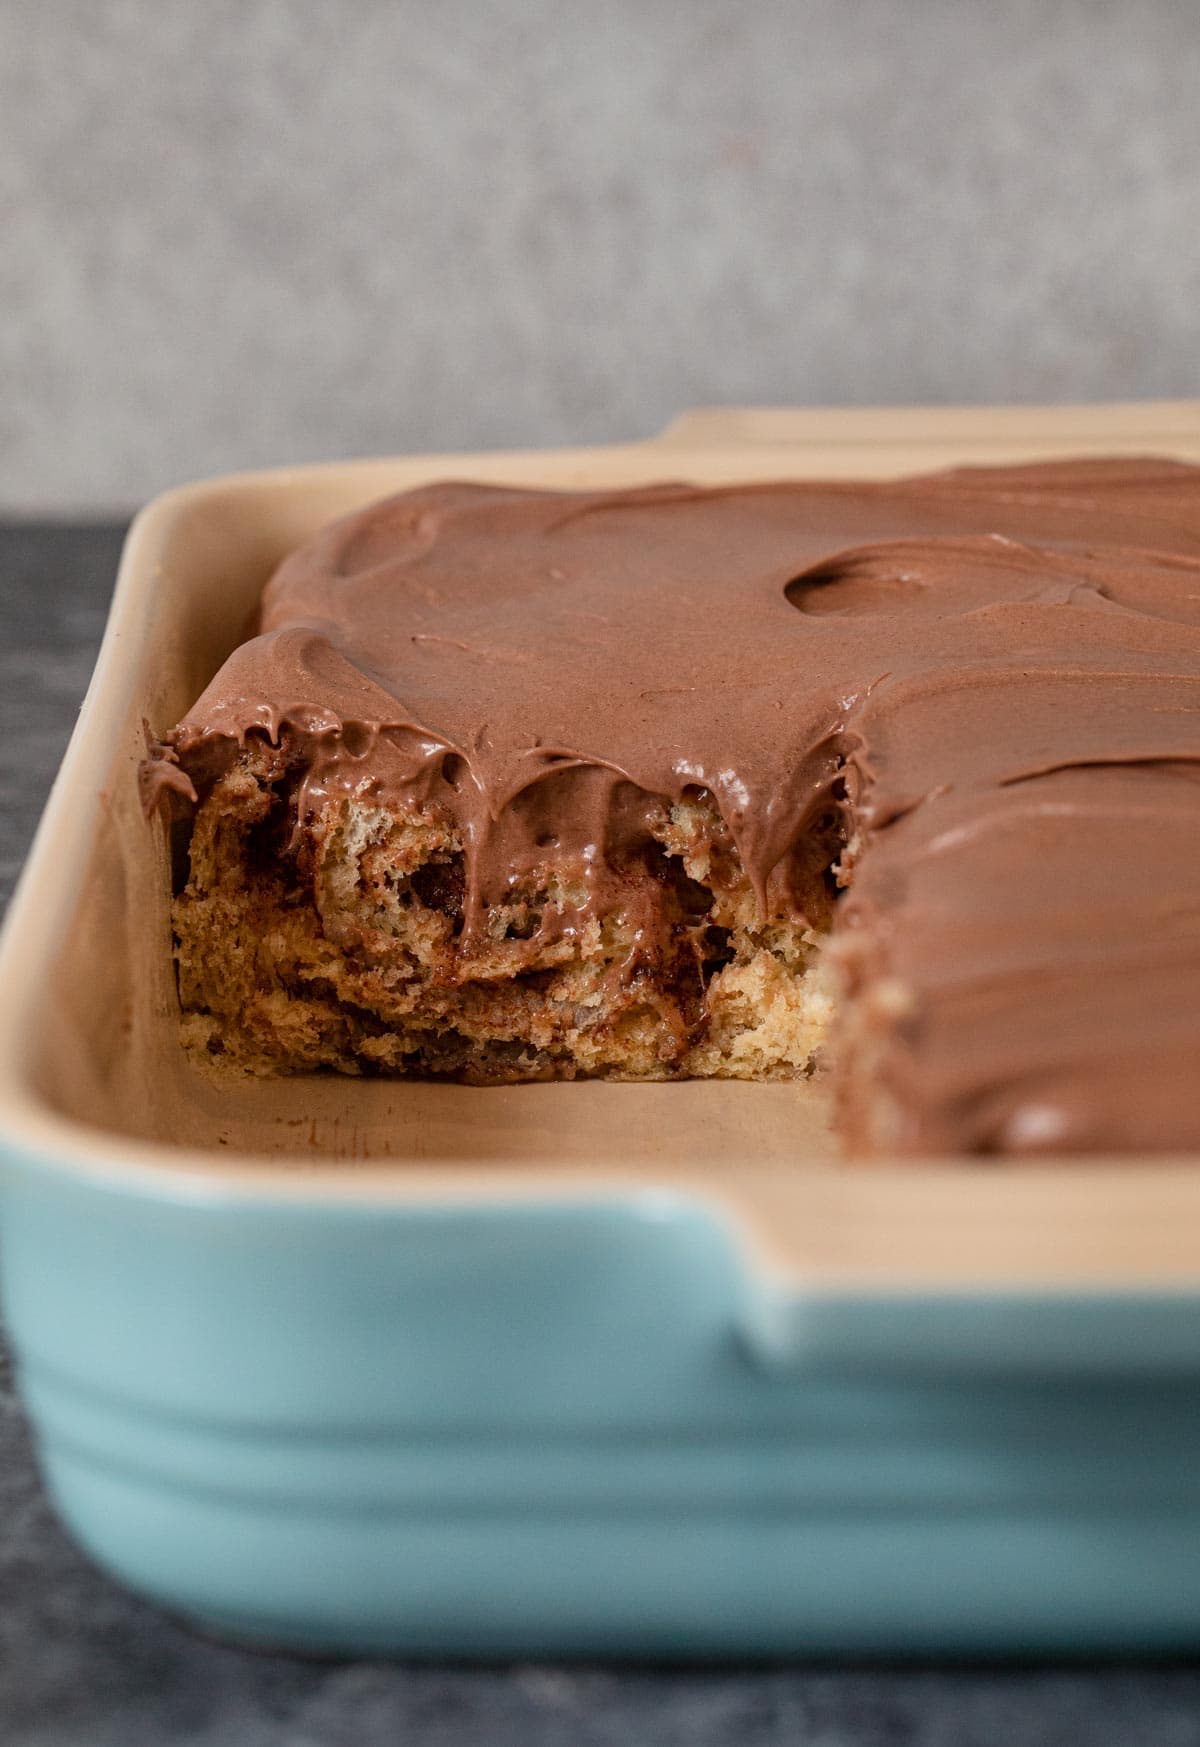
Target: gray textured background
[251,231]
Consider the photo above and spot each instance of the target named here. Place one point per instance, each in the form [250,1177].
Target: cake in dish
[674,782]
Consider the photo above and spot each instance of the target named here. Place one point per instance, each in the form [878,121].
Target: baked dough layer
[340,945]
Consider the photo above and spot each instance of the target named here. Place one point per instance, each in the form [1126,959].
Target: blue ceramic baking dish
[559,1369]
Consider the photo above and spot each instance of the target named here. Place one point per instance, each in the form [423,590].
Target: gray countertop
[82,1664]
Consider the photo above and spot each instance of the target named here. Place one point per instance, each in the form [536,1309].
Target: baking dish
[560,1369]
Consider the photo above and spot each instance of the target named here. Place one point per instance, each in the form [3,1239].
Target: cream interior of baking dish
[90,1061]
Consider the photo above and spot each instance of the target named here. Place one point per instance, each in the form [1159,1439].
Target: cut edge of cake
[337,942]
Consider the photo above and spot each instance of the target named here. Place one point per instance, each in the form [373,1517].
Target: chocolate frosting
[987,681]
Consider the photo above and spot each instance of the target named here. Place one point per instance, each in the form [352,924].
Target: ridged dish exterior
[535,1429]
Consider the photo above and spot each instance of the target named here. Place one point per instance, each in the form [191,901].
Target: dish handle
[1157,424]
[1018,1334]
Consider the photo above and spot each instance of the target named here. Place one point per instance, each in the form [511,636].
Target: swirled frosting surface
[989,678]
